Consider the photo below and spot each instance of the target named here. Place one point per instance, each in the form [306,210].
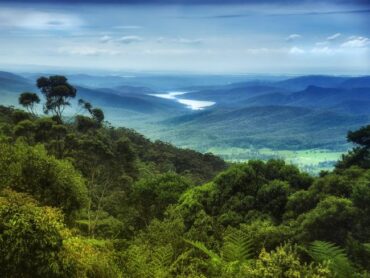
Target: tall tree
[58,93]
[85,105]
[96,113]
[360,137]
[360,154]
[28,100]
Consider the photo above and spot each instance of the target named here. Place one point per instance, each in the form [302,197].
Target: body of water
[189,103]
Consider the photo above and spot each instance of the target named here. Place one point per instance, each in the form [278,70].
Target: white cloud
[328,40]
[105,39]
[356,42]
[124,39]
[265,50]
[169,51]
[32,19]
[179,40]
[83,50]
[334,36]
[128,27]
[129,39]
[188,41]
[322,43]
[293,37]
[296,50]
[323,50]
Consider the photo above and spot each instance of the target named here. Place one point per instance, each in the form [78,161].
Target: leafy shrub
[52,182]
[31,237]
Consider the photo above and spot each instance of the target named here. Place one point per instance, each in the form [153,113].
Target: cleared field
[313,161]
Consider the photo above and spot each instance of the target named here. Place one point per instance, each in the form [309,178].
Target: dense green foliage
[53,182]
[34,242]
[79,198]
[29,100]
[31,236]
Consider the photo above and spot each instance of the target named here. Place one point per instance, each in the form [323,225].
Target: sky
[204,36]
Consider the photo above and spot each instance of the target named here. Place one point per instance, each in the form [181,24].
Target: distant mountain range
[121,96]
[293,113]
[302,112]
[312,96]
[300,83]
[139,102]
[13,83]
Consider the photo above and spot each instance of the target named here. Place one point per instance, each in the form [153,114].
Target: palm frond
[237,247]
[335,256]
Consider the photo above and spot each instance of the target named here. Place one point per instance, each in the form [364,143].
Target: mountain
[123,89]
[279,127]
[10,82]
[86,80]
[302,82]
[314,97]
[357,107]
[356,82]
[11,85]
[124,97]
[11,77]
[231,94]
[137,102]
[313,90]
[295,113]
[155,81]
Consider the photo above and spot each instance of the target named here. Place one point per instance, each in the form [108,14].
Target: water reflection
[189,103]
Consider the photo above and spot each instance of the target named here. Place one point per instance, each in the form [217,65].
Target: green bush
[51,181]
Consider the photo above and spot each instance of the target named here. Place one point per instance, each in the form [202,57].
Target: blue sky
[264,37]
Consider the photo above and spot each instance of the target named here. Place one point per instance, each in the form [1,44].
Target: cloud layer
[191,38]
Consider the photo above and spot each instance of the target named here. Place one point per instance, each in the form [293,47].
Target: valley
[299,119]
[184,139]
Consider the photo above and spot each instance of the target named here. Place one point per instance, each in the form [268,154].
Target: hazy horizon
[42,69]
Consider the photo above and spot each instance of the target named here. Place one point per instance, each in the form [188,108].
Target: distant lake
[189,103]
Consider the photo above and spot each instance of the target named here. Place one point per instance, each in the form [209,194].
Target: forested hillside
[302,120]
[80,198]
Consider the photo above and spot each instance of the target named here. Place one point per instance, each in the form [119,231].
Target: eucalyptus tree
[58,94]
[28,100]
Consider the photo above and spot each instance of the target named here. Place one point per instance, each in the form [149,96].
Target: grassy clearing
[313,161]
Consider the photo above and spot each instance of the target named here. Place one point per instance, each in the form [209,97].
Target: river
[189,103]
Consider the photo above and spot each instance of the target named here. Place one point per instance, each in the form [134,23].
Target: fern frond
[237,247]
[161,262]
[163,256]
[137,262]
[335,256]
[200,246]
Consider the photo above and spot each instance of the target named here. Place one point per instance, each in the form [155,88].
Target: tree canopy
[57,92]
[84,199]
[29,100]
